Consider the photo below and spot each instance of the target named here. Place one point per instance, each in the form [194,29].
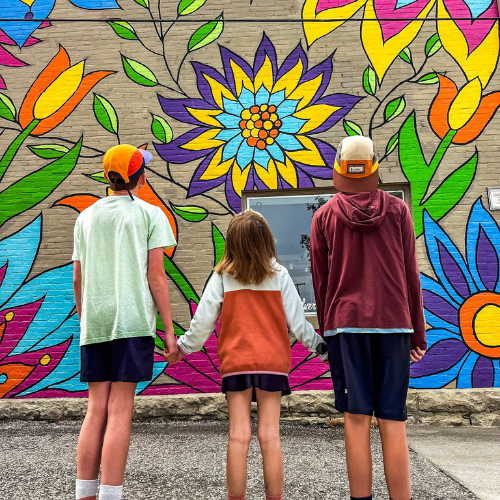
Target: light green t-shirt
[111,240]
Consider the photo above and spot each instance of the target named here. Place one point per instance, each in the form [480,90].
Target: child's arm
[77,286]
[295,316]
[158,285]
[205,318]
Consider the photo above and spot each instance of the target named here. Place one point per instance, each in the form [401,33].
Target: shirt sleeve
[160,233]
[76,241]
[415,303]
[318,252]
[205,318]
[295,317]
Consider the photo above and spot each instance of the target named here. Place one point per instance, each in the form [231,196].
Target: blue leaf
[95,4]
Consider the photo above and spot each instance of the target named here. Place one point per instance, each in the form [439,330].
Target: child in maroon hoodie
[370,311]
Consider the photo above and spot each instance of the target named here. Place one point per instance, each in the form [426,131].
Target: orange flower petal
[438,114]
[482,116]
[79,202]
[147,194]
[56,66]
[16,374]
[59,116]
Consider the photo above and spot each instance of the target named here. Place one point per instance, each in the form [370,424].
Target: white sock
[110,492]
[86,489]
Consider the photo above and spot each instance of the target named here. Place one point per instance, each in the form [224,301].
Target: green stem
[12,150]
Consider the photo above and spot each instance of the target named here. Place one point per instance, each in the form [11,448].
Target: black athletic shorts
[370,373]
[120,360]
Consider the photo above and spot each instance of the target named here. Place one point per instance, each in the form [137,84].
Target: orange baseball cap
[127,161]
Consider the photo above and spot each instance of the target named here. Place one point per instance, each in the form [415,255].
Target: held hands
[171,351]
[416,354]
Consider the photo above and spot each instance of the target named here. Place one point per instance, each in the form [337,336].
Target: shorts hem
[394,419]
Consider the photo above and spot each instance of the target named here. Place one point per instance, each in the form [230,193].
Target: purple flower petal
[326,69]
[452,271]
[482,374]
[203,85]
[198,186]
[174,153]
[232,197]
[176,108]
[265,48]
[487,261]
[440,307]
[291,61]
[439,358]
[227,56]
[303,180]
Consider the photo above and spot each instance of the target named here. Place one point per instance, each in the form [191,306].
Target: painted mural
[260,118]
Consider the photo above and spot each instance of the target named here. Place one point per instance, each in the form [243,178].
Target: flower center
[480,323]
[260,125]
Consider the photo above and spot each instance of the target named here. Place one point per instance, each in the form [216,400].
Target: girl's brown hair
[250,249]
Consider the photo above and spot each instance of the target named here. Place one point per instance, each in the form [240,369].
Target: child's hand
[171,351]
[416,354]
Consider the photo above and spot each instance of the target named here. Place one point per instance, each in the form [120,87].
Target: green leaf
[123,30]
[186,7]
[105,114]
[180,281]
[352,128]
[391,145]
[206,34]
[143,3]
[35,187]
[369,81]
[7,108]
[394,108]
[49,151]
[219,244]
[161,129]
[190,213]
[405,54]
[428,79]
[98,176]
[432,45]
[138,73]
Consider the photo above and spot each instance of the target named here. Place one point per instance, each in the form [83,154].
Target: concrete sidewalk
[186,461]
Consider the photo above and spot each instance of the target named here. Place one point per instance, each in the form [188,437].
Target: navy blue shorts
[370,373]
[264,381]
[120,360]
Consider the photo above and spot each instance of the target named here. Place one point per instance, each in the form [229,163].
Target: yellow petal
[241,79]
[204,141]
[206,116]
[310,155]
[482,61]
[59,91]
[218,91]
[239,178]
[289,81]
[264,76]
[288,172]
[465,104]
[270,176]
[217,168]
[306,91]
[315,115]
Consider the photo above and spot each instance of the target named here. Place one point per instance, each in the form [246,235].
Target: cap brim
[146,155]
[352,185]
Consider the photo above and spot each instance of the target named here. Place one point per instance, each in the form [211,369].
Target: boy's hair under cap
[356,165]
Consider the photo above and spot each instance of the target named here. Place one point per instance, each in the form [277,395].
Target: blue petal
[246,98]
[231,148]
[437,380]
[288,142]
[287,107]
[95,4]
[232,107]
[277,98]
[433,234]
[229,121]
[245,155]
[480,219]
[71,385]
[261,157]
[291,125]
[262,96]
[464,380]
[404,3]
[56,289]
[227,134]
[158,367]
[437,334]
[275,151]
[18,252]
[496,368]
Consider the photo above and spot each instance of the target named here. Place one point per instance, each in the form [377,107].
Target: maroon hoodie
[364,265]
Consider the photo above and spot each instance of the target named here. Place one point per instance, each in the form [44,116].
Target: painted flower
[200,371]
[467,112]
[56,92]
[390,25]
[462,306]
[253,125]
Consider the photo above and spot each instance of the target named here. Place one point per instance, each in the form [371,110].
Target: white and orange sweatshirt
[254,324]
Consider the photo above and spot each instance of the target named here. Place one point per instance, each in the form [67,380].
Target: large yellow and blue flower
[253,125]
[462,306]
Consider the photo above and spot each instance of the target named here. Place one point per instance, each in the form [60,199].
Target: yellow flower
[465,104]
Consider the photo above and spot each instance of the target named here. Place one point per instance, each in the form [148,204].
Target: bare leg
[269,408]
[358,454]
[88,452]
[240,433]
[117,438]
[396,458]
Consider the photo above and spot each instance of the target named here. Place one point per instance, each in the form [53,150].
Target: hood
[363,212]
